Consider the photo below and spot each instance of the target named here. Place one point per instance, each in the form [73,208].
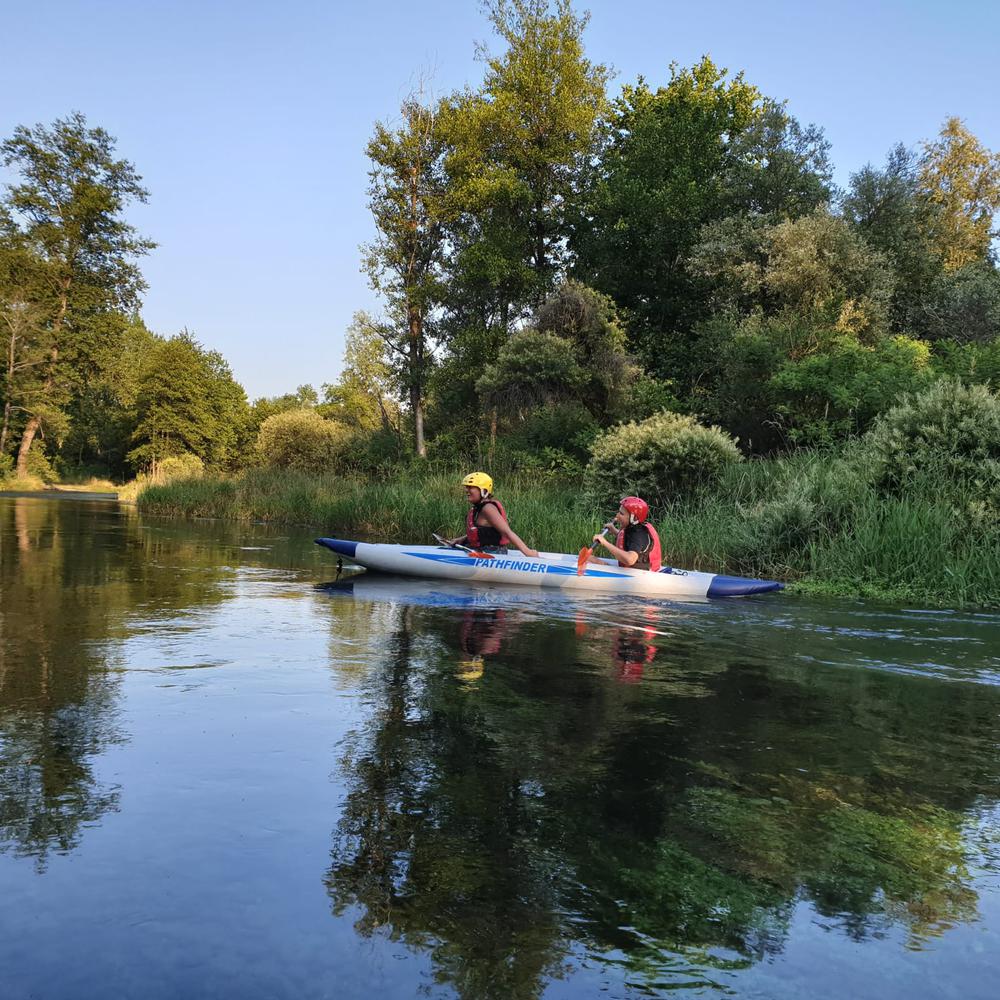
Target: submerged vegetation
[658,291]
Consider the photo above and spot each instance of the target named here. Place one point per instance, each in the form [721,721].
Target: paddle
[588,550]
[475,553]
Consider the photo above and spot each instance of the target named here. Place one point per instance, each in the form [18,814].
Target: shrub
[836,392]
[948,435]
[303,440]
[184,466]
[569,427]
[662,459]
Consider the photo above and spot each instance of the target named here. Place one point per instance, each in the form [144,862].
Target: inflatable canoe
[550,569]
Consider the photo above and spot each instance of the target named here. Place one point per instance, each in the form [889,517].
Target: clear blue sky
[248,122]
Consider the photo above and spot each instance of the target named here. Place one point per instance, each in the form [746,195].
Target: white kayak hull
[550,569]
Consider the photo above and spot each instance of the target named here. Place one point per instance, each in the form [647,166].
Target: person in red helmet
[637,545]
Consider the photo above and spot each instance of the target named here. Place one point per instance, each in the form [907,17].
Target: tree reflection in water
[550,811]
[72,578]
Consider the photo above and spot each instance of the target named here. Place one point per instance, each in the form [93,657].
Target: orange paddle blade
[481,555]
[581,563]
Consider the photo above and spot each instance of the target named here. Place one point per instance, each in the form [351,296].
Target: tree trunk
[6,427]
[32,428]
[416,331]
[35,423]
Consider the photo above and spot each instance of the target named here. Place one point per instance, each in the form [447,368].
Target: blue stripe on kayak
[740,586]
[500,561]
[341,548]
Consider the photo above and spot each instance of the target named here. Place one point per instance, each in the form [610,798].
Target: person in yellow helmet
[486,524]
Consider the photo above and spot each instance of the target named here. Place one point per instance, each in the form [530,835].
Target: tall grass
[391,509]
[808,518]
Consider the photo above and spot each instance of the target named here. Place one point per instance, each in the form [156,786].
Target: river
[224,773]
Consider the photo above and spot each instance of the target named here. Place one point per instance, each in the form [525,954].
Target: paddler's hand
[599,537]
[531,552]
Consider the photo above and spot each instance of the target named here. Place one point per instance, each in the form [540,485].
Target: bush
[568,427]
[948,435]
[836,392]
[184,466]
[302,440]
[664,458]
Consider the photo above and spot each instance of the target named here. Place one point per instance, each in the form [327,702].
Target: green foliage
[816,266]
[949,433]
[531,368]
[689,154]
[590,322]
[188,402]
[516,151]
[835,393]
[65,215]
[569,427]
[644,208]
[973,363]
[888,210]
[964,305]
[663,459]
[362,398]
[790,380]
[406,196]
[302,440]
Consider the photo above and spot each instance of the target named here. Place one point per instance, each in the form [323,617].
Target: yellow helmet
[479,479]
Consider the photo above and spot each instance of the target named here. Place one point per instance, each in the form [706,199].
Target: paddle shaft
[465,548]
[587,551]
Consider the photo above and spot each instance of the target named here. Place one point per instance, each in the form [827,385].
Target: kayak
[550,569]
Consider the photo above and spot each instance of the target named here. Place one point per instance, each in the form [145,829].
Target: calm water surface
[222,774]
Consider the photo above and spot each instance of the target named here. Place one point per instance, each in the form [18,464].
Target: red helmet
[637,507]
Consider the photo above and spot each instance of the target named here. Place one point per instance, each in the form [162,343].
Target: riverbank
[788,519]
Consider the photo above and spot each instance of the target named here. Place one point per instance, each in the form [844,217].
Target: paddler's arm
[496,520]
[625,556]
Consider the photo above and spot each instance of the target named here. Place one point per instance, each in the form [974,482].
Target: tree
[404,262]
[22,328]
[67,212]
[589,321]
[362,396]
[532,368]
[188,402]
[516,151]
[815,267]
[961,178]
[661,177]
[101,411]
[778,169]
[886,207]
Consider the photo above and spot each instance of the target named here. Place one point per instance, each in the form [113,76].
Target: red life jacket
[486,535]
[652,559]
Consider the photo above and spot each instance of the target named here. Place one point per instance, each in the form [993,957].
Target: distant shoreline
[61,494]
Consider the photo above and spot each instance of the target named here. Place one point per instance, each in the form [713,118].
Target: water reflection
[274,787]
[672,828]
[75,580]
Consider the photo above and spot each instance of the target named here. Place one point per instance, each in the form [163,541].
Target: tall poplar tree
[67,211]
[404,262]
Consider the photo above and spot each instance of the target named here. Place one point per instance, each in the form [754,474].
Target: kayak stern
[740,586]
